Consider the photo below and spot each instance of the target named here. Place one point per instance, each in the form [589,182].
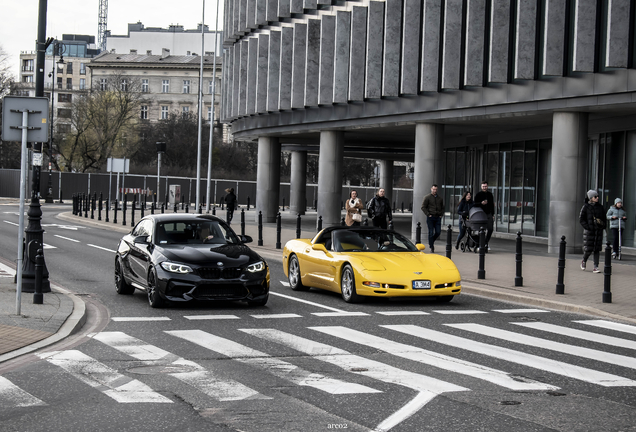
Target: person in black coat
[465,204]
[486,201]
[593,220]
[379,209]
[230,202]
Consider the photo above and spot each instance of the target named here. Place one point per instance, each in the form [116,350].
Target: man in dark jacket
[230,202]
[433,208]
[379,209]
[593,220]
[486,201]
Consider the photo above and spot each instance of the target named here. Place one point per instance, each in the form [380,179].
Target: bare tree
[9,151]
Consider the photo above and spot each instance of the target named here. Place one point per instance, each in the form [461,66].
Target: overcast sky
[19,24]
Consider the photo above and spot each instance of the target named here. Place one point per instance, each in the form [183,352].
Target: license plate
[422,284]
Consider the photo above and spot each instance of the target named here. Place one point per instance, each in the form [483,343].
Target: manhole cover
[161,369]
[509,403]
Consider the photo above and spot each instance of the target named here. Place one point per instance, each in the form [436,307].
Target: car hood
[405,261]
[229,255]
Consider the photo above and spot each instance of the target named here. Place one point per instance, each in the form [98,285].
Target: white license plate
[422,284]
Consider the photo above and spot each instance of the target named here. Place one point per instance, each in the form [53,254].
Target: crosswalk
[315,358]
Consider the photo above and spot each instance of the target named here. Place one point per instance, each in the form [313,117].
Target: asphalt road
[307,361]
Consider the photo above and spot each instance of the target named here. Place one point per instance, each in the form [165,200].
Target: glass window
[103,84]
[195,232]
[185,110]
[82,83]
[27,78]
[69,83]
[64,113]
[209,114]
[629,195]
[543,187]
[165,86]
[186,86]
[516,187]
[59,83]
[210,86]
[502,197]
[144,112]
[27,65]
[82,68]
[529,188]
[369,241]
[144,86]
[164,112]
[124,85]
[614,164]
[447,189]
[69,67]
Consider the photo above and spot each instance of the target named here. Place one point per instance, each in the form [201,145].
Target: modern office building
[538,97]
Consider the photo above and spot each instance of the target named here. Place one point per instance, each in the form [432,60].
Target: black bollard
[187,208]
[410,207]
[315,204]
[61,202]
[260,228]
[481,273]
[162,208]
[418,233]
[248,203]
[298,226]
[182,205]
[106,208]
[123,212]
[74,208]
[176,207]
[214,210]
[366,222]
[449,241]
[242,222]
[283,204]
[93,205]
[152,207]
[87,200]
[518,260]
[143,208]
[132,214]
[99,208]
[115,217]
[607,273]
[38,297]
[319,224]
[200,208]
[278,227]
[402,206]
[560,287]
[342,222]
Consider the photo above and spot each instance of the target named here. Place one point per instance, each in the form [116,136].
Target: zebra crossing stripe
[441,361]
[397,313]
[139,319]
[592,354]
[426,386]
[196,375]
[339,314]
[209,317]
[511,311]
[625,328]
[519,357]
[277,367]
[580,334]
[266,316]
[6,271]
[99,376]
[459,312]
[12,395]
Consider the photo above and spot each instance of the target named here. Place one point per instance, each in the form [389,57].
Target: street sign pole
[23,170]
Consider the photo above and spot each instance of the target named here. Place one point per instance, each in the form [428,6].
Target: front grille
[220,273]
[220,290]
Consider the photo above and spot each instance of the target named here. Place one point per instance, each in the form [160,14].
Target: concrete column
[567,179]
[298,183]
[429,169]
[268,178]
[386,179]
[330,176]
[525,39]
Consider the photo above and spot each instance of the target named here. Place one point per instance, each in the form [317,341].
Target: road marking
[580,334]
[140,319]
[609,325]
[459,312]
[337,314]
[121,388]
[6,271]
[523,339]
[11,223]
[191,373]
[48,246]
[285,284]
[541,363]
[397,313]
[277,367]
[276,316]
[435,359]
[426,386]
[209,317]
[66,238]
[306,301]
[102,248]
[66,227]
[510,311]
[14,396]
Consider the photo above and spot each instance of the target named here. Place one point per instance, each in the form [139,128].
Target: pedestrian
[379,209]
[593,220]
[465,204]
[354,208]
[486,201]
[230,202]
[616,216]
[433,208]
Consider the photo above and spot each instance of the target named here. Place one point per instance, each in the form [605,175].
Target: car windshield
[371,241]
[194,232]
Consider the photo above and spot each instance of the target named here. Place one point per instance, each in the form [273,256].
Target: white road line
[459,312]
[192,373]
[209,317]
[510,311]
[140,319]
[11,223]
[277,367]
[66,238]
[339,314]
[48,246]
[276,316]
[541,363]
[609,325]
[523,339]
[121,388]
[580,334]
[307,302]
[397,313]
[435,359]
[6,271]
[102,248]
[427,387]
[13,396]
[284,283]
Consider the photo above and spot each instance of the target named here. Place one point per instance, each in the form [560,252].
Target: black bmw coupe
[183,257]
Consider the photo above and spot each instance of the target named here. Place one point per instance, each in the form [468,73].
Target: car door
[315,264]
[139,256]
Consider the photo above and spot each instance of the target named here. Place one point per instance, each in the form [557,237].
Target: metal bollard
[248,203]
[242,222]
[38,297]
[298,222]
[319,224]
[366,222]
[607,273]
[283,204]
[115,217]
[402,206]
[481,273]
[449,241]
[176,207]
[123,212]
[182,205]
[143,208]
[200,208]
[418,233]
[260,228]
[187,208]
[152,207]
[87,200]
[106,207]
[560,287]
[93,205]
[278,228]
[162,208]
[342,222]
[99,208]
[61,202]
[132,214]
[214,210]
[518,260]
[315,204]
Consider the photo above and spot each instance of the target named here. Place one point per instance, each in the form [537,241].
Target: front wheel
[348,285]
[295,282]
[154,299]
[121,286]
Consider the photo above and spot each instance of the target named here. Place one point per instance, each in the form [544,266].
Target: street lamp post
[161,148]
[61,48]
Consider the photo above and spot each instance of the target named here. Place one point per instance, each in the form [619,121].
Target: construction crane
[101,26]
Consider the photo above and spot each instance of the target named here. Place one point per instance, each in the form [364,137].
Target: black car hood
[229,255]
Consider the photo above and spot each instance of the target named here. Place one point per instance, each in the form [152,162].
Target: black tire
[295,282]
[348,285]
[154,298]
[121,286]
[260,302]
[445,299]
[462,246]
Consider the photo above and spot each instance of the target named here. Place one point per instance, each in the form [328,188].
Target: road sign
[118,165]
[38,108]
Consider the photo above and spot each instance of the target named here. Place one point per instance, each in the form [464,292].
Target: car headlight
[256,267]
[372,284]
[175,268]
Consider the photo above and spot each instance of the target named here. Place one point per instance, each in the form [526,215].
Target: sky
[19,19]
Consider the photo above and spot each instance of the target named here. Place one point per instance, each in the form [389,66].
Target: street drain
[359,370]
[509,403]
[162,369]
[554,393]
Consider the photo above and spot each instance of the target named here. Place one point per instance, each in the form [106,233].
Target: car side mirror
[420,247]
[140,239]
[246,239]
[319,247]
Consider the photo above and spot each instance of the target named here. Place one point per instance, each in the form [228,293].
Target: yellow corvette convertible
[368,262]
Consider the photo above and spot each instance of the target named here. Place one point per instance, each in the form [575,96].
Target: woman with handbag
[354,208]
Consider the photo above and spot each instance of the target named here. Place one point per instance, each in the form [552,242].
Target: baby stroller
[476,219]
